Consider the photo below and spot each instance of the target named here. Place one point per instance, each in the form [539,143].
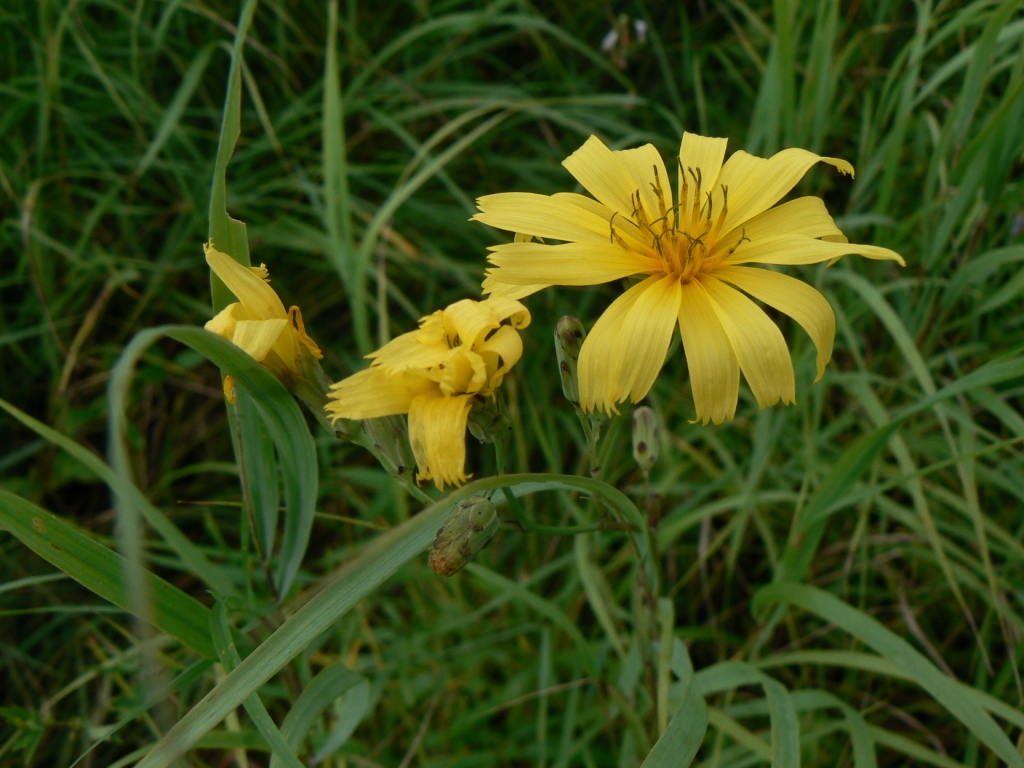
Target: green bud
[389,442]
[488,420]
[646,438]
[569,336]
[469,528]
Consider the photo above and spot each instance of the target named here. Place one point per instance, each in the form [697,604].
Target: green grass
[840,581]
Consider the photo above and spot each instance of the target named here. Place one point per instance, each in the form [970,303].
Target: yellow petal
[500,352]
[705,153]
[805,216]
[626,349]
[624,227]
[507,309]
[791,297]
[467,321]
[257,297]
[542,216]
[437,432]
[373,393]
[223,324]
[756,184]
[714,370]
[796,249]
[645,163]
[568,264]
[605,176]
[494,288]
[258,337]
[758,343]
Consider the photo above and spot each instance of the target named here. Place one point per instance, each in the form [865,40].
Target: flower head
[435,374]
[691,252]
[258,322]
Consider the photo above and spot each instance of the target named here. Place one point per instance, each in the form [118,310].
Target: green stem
[526,523]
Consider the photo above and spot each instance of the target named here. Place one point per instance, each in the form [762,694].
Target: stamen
[723,213]
[682,194]
[695,215]
[656,186]
[611,227]
[743,237]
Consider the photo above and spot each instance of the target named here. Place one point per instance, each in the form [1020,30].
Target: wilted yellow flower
[434,374]
[258,322]
[691,256]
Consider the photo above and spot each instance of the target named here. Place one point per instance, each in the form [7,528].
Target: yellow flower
[434,374]
[258,322]
[691,256]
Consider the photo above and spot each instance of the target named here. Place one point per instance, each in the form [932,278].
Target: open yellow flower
[258,322]
[458,355]
[691,256]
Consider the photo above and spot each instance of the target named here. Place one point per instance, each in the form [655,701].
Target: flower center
[683,236]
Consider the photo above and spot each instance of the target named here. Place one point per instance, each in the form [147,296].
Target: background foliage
[366,133]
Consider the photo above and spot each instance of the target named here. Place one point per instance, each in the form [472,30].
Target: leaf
[679,743]
[946,691]
[377,562]
[278,410]
[102,571]
[191,557]
[322,691]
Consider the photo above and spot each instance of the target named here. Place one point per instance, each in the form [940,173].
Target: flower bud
[569,336]
[488,420]
[389,436]
[469,528]
[646,438]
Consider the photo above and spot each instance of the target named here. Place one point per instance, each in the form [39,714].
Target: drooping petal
[714,370]
[373,392]
[791,297]
[568,264]
[757,341]
[605,176]
[645,164]
[437,432]
[797,249]
[258,337]
[542,216]
[755,183]
[626,349]
[258,297]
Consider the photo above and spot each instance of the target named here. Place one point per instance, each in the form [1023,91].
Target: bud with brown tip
[469,528]
[569,336]
[646,438]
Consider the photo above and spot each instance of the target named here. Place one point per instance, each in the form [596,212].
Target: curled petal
[500,352]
